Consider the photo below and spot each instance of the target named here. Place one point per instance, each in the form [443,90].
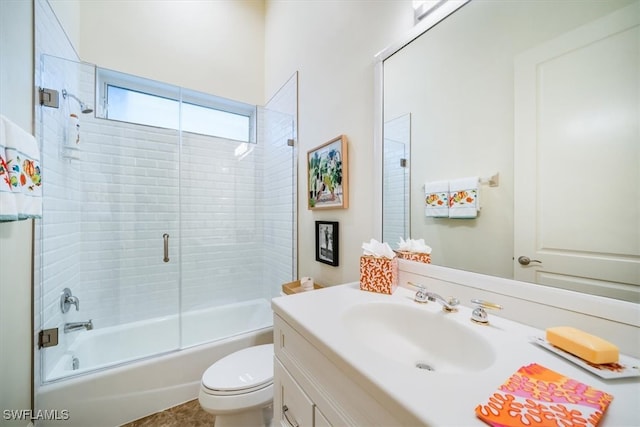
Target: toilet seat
[245,371]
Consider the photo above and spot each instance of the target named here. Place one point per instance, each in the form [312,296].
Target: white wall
[211,46]
[67,15]
[16,95]
[332,44]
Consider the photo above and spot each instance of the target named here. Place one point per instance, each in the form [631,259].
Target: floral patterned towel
[20,178]
[538,396]
[436,199]
[464,197]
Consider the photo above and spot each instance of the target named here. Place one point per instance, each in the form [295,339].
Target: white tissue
[378,249]
[411,245]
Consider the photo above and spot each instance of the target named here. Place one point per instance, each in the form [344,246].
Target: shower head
[84,108]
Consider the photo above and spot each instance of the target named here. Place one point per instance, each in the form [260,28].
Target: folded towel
[536,395]
[464,196]
[8,208]
[436,202]
[20,186]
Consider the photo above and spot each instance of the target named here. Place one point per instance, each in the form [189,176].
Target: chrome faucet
[422,296]
[74,301]
[479,315]
[448,304]
[76,326]
[67,300]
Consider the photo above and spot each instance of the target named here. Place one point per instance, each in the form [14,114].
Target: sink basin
[418,338]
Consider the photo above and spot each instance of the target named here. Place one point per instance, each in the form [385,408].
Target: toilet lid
[245,370]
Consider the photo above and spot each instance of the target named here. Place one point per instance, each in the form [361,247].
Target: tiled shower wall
[110,199]
[395,197]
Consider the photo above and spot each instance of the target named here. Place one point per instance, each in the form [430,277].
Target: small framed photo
[327,175]
[327,242]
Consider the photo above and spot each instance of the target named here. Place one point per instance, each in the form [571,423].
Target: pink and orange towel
[538,396]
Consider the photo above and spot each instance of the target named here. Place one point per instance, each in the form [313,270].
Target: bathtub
[126,391]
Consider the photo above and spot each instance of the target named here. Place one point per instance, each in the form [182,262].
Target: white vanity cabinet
[310,390]
[345,357]
[294,408]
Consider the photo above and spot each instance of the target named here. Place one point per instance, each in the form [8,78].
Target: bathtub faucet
[76,326]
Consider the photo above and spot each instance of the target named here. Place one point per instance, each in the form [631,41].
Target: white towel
[20,173]
[436,199]
[8,208]
[464,197]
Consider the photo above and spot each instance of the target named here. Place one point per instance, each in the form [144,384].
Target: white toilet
[238,389]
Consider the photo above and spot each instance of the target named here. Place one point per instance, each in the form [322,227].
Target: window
[127,98]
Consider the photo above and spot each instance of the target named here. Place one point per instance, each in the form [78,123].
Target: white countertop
[437,398]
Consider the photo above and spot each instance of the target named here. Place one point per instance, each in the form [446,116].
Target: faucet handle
[67,299]
[422,296]
[486,304]
[479,315]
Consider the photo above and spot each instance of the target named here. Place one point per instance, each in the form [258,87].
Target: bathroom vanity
[350,357]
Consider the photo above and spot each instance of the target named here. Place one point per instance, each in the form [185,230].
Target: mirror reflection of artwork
[327,179]
[327,242]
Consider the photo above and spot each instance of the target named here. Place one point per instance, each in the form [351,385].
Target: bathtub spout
[76,326]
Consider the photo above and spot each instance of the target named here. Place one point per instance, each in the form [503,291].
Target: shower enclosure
[154,238]
[395,175]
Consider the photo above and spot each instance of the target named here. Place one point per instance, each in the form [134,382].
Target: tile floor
[186,415]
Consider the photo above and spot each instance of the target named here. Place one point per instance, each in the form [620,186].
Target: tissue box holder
[414,256]
[378,274]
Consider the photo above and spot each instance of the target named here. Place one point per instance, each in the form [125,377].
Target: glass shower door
[109,232]
[237,210]
[395,175]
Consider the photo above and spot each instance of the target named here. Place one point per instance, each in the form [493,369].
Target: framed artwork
[327,242]
[327,175]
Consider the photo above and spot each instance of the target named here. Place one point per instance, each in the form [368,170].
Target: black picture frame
[327,238]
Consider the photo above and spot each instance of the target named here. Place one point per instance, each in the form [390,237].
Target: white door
[577,159]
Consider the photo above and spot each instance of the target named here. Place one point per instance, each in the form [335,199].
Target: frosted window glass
[137,107]
[209,121]
[142,108]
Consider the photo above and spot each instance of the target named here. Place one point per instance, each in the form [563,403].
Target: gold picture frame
[327,182]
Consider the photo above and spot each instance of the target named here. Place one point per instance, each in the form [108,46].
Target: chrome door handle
[165,236]
[525,260]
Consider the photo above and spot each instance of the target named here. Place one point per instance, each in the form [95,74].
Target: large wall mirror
[545,95]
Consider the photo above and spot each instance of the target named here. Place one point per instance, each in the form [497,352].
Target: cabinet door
[319,419]
[291,406]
